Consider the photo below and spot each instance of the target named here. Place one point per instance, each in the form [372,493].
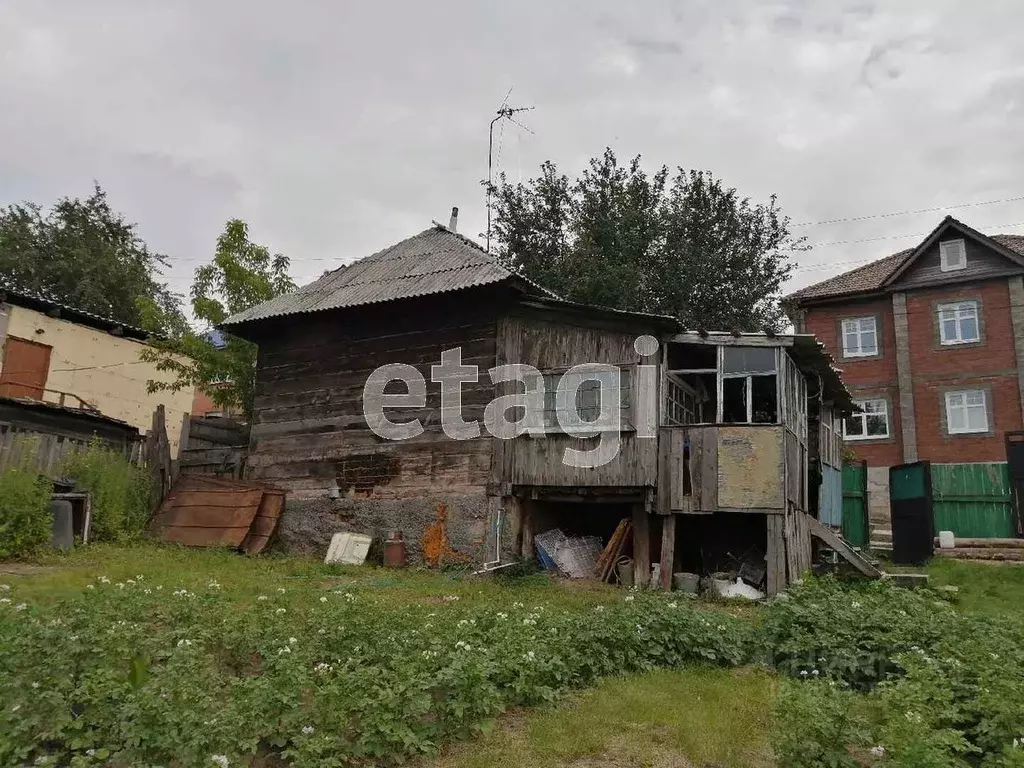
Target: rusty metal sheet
[207,511]
[265,522]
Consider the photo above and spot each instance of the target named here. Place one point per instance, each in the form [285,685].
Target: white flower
[323,599]
[529,622]
[450,598]
[16,707]
[599,609]
[502,616]
[350,597]
[321,631]
[286,649]
[280,610]
[517,605]
[159,587]
[35,686]
[292,641]
[184,643]
[262,597]
[5,599]
[803,673]
[308,730]
[119,585]
[221,760]
[131,581]
[148,591]
[213,584]
[878,751]
[855,604]
[529,656]
[281,590]
[630,598]
[90,586]
[464,645]
[323,667]
[5,587]
[673,605]
[138,577]
[103,580]
[20,607]
[90,752]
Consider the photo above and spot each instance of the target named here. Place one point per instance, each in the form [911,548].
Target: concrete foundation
[438,531]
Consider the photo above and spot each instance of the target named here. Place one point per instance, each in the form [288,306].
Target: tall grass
[120,491]
[24,502]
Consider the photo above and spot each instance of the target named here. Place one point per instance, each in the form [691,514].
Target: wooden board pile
[605,566]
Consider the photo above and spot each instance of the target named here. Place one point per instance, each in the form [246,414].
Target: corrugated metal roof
[436,260]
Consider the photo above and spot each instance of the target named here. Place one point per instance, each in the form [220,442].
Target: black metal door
[910,501]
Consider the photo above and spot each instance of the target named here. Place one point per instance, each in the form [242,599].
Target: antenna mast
[505,112]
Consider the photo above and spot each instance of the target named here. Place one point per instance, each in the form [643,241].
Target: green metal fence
[972,500]
[855,504]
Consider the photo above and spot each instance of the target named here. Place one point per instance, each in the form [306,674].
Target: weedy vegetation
[158,656]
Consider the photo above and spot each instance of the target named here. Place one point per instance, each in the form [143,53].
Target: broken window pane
[738,360]
[766,399]
[734,401]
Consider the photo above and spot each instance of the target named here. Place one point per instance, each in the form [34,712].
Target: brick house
[931,343]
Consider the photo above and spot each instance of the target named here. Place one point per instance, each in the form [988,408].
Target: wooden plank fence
[213,446]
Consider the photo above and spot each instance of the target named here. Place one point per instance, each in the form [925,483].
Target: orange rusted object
[394,550]
[436,549]
[207,511]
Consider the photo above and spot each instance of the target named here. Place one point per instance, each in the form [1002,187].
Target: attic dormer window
[952,255]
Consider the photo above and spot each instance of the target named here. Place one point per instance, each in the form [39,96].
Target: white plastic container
[947,540]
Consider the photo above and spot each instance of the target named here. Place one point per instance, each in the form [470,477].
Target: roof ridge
[871,264]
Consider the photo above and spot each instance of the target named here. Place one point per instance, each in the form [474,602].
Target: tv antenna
[505,112]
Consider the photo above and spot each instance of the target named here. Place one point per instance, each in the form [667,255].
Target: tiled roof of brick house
[872,277]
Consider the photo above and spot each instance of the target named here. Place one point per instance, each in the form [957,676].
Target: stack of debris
[582,557]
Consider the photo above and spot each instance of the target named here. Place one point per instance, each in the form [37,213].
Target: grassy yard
[197,655]
[665,719]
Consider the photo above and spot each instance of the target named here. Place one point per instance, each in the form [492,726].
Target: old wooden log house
[722,438]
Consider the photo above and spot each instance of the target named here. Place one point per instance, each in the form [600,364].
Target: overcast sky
[338,128]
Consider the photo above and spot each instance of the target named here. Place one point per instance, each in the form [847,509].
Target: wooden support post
[529,550]
[641,546]
[775,555]
[668,549]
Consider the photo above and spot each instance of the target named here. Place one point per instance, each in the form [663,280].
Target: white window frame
[963,394]
[957,310]
[855,325]
[957,247]
[863,416]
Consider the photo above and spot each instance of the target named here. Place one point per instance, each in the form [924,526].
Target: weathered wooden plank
[641,546]
[679,499]
[840,546]
[775,554]
[668,547]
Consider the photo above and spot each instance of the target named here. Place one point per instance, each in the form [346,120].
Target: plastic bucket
[686,582]
[624,567]
[720,582]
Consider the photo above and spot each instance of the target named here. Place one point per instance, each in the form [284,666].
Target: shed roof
[12,294]
[436,260]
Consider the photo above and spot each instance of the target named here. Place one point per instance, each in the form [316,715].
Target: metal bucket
[624,567]
[686,582]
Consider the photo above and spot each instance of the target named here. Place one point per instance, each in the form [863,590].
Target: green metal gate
[973,500]
[855,503]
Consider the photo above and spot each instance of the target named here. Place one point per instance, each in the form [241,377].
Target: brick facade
[990,365]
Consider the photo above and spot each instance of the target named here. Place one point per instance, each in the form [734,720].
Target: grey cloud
[338,128]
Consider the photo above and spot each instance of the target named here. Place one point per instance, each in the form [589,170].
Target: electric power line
[892,214]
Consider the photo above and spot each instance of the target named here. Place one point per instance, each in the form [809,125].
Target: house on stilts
[719,444]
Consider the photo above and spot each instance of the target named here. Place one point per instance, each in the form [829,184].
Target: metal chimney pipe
[453,222]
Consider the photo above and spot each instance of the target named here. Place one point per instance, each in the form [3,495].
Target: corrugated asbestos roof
[436,260]
[871,277]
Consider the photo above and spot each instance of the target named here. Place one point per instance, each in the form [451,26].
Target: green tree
[242,274]
[684,245]
[84,254]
